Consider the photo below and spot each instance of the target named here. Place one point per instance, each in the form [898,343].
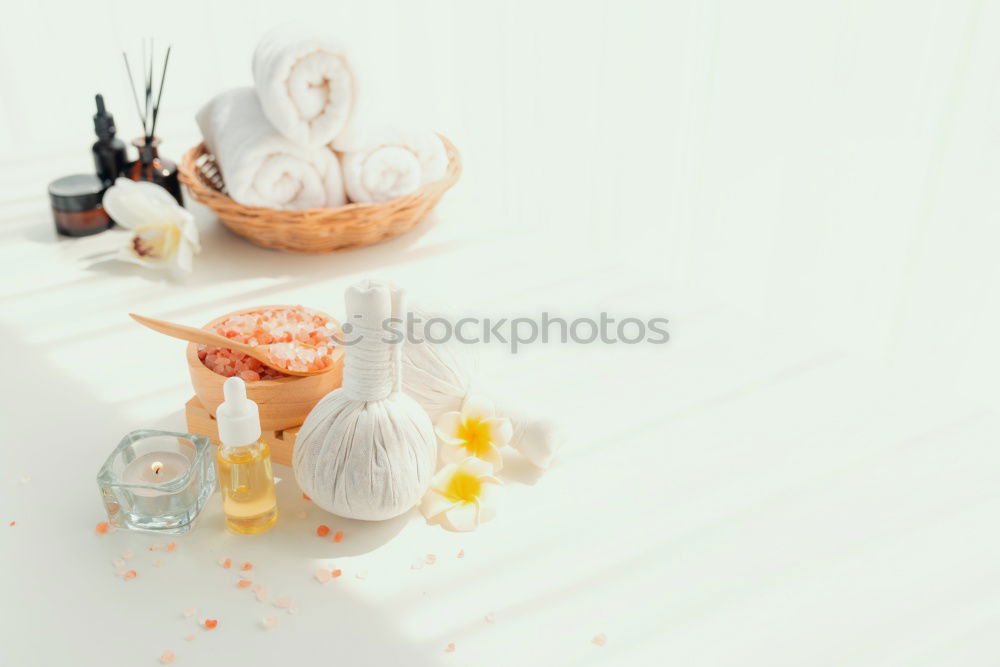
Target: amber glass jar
[155,169]
[76,205]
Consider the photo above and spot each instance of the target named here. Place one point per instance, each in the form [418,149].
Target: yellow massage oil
[244,464]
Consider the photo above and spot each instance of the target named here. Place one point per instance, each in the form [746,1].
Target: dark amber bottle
[155,169]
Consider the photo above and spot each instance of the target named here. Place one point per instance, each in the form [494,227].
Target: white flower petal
[478,407]
[476,467]
[489,500]
[448,426]
[183,257]
[494,458]
[501,430]
[443,476]
[452,453]
[434,503]
[133,204]
[462,517]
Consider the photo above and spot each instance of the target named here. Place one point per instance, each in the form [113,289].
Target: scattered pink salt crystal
[247,566]
[243,583]
[322,576]
[167,657]
[269,622]
[102,528]
[210,623]
[263,596]
[120,572]
[190,638]
[461,553]
[450,648]
[599,639]
[430,559]
[284,603]
[338,536]
[171,546]
[190,612]
[131,574]
[226,563]
[156,563]
[128,555]
[119,563]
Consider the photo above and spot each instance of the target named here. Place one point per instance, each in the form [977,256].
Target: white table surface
[806,474]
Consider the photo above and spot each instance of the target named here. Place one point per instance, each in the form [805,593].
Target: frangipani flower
[475,431]
[462,495]
[163,233]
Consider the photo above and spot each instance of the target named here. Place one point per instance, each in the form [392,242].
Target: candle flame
[156,467]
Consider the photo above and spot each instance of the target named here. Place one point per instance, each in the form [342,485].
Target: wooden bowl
[284,402]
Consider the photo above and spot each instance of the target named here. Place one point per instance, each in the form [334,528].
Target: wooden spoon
[259,352]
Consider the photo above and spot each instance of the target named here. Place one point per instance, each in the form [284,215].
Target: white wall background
[835,160]
[829,164]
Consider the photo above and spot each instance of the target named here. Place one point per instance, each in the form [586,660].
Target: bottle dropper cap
[238,416]
[104,123]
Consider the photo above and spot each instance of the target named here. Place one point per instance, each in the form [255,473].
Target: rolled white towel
[393,162]
[306,84]
[260,166]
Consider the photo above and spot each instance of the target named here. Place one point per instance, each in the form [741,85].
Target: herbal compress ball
[367,451]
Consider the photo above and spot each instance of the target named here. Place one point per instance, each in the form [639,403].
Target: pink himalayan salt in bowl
[300,338]
[284,400]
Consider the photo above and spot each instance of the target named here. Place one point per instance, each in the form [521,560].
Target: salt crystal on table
[450,648]
[283,603]
[599,639]
[190,638]
[322,576]
[127,555]
[156,563]
[430,559]
[119,563]
[190,612]
[269,622]
[461,553]
[167,657]
[263,596]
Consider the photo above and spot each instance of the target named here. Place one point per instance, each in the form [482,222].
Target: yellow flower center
[475,436]
[463,487]
[155,241]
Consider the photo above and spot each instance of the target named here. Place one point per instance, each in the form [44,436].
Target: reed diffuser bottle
[244,464]
[150,166]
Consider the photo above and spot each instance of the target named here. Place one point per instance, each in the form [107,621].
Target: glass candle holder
[157,481]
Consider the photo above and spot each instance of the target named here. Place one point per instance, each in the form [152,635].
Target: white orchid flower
[164,235]
[462,495]
[475,431]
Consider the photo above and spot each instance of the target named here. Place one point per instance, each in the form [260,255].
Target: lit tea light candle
[155,468]
[157,481]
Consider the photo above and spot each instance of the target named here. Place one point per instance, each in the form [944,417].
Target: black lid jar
[76,205]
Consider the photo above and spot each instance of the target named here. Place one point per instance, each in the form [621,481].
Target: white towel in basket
[393,162]
[307,85]
[260,166]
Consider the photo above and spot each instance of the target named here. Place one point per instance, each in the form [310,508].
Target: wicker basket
[314,230]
